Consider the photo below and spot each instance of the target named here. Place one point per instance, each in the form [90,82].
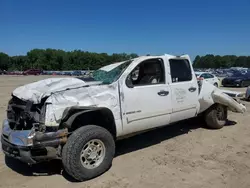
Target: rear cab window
[180,70]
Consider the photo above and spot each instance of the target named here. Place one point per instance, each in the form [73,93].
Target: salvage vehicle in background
[212,79]
[78,120]
[32,72]
[2,72]
[76,73]
[14,73]
[237,80]
[234,94]
[247,95]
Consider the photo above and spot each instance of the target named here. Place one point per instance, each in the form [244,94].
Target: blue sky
[112,26]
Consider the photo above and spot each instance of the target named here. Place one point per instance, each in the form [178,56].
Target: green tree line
[53,59]
[216,61]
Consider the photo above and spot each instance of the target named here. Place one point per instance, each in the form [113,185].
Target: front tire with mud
[88,152]
[216,116]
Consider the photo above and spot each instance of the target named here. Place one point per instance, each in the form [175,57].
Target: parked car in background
[208,77]
[76,73]
[2,72]
[14,73]
[67,73]
[32,72]
[237,79]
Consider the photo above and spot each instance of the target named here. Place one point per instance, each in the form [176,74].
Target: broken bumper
[31,147]
[234,94]
[21,153]
[17,137]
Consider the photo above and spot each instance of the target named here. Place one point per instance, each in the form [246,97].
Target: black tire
[215,84]
[73,148]
[212,118]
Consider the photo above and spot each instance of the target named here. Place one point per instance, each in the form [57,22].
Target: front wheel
[216,116]
[88,152]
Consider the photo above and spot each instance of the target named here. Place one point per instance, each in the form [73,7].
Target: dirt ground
[182,155]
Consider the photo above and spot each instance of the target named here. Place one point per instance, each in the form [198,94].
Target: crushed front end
[25,136]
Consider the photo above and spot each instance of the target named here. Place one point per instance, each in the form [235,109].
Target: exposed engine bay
[25,135]
[24,115]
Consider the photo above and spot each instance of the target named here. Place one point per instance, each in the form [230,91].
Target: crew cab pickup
[78,120]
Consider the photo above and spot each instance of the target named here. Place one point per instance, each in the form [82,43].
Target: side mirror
[129,82]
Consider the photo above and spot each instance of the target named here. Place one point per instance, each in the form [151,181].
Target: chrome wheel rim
[92,154]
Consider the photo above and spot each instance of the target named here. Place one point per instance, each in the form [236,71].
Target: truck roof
[141,58]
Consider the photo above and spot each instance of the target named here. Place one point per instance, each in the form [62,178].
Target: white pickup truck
[78,120]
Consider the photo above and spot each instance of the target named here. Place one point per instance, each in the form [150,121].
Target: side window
[205,76]
[180,70]
[202,76]
[210,76]
[147,73]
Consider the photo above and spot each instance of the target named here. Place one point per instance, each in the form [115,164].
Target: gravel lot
[181,155]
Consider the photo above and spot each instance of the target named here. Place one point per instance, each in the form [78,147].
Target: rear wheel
[215,84]
[88,152]
[216,116]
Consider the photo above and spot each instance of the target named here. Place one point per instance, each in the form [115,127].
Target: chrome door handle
[163,93]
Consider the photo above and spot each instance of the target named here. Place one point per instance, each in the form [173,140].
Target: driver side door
[147,97]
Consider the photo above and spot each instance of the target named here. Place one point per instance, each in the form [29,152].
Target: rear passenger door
[184,88]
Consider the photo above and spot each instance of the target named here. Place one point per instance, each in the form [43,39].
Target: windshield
[110,73]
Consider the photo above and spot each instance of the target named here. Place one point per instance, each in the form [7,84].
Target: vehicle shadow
[158,135]
[42,169]
[234,87]
[124,146]
[49,168]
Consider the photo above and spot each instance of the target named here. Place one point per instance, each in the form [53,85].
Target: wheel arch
[75,117]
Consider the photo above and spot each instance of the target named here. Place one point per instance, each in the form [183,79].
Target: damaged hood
[36,91]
